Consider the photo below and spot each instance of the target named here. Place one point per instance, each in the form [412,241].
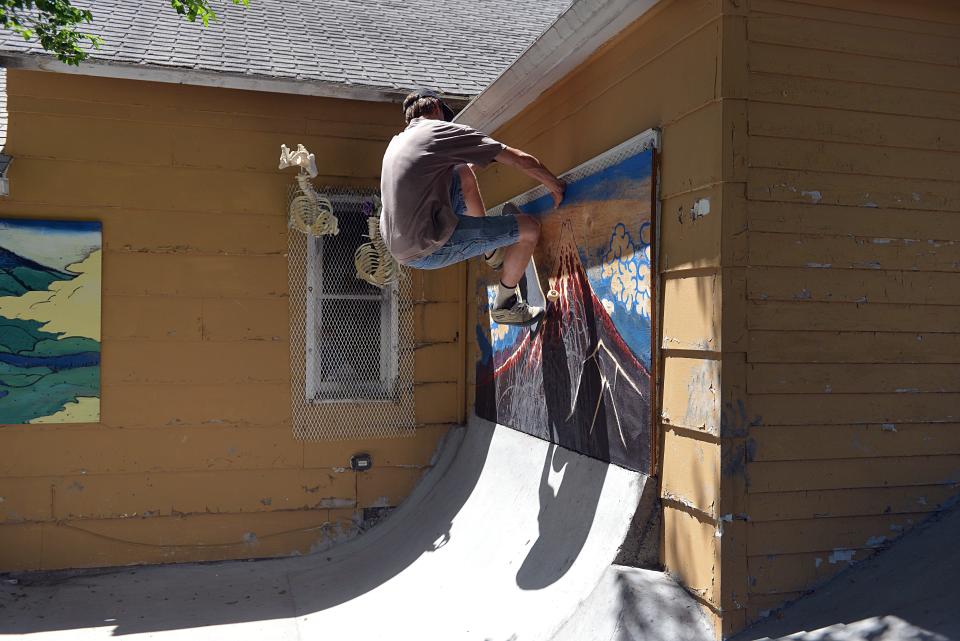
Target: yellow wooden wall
[809,389]
[846,293]
[664,71]
[194,458]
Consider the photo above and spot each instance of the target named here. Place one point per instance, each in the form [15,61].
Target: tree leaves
[57,24]
[194,9]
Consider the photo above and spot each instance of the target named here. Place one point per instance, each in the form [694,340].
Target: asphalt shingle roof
[455,46]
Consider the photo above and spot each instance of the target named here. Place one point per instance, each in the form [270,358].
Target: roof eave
[203,78]
[573,37]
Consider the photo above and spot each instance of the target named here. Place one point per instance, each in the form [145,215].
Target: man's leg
[517,256]
[508,307]
[473,199]
[512,260]
[471,191]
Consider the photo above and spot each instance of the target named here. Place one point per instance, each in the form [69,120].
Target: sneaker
[495,260]
[516,312]
[509,209]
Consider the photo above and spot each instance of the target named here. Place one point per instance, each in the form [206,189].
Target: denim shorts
[473,236]
[456,195]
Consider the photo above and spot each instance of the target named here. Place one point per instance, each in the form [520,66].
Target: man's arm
[534,168]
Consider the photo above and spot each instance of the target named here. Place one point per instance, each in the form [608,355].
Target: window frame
[380,390]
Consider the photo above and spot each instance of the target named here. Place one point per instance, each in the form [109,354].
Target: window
[351,326]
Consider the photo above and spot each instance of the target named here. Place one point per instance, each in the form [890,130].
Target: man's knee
[529,228]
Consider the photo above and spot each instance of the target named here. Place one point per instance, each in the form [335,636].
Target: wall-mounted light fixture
[361,462]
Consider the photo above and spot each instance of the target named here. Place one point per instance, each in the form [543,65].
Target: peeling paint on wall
[336,502]
[701,207]
[841,555]
[703,395]
[381,501]
[682,500]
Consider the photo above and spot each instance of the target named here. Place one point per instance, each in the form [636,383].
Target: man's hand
[534,168]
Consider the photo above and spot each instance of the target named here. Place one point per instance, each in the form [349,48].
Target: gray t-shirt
[415,183]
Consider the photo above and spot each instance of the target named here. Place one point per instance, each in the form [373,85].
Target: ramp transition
[506,538]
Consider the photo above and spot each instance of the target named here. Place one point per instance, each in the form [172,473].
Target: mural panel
[49,321]
[581,376]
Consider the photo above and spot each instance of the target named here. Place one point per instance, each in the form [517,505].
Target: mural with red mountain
[580,377]
[572,379]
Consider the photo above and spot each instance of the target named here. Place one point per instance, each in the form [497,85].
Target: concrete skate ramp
[502,540]
[630,604]
[910,592]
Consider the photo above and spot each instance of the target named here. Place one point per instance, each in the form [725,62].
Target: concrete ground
[910,592]
[507,538]
[630,604]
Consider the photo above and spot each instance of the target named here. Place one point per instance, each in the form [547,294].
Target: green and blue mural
[50,275]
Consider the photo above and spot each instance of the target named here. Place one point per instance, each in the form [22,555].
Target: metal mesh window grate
[351,342]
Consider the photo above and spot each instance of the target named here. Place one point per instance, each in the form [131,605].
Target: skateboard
[530,287]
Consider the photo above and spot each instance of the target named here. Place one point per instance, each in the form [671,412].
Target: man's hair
[416,105]
[423,101]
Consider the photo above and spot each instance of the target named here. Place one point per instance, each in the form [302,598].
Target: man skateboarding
[433,212]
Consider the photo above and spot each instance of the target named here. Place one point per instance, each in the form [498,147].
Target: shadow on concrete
[423,527]
[630,604]
[152,599]
[886,628]
[562,538]
[658,613]
[909,591]
[484,532]
[578,482]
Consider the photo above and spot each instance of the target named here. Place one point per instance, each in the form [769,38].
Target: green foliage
[36,396]
[10,286]
[194,9]
[57,24]
[18,335]
[35,279]
[30,391]
[16,280]
[22,380]
[54,24]
[7,370]
[69,345]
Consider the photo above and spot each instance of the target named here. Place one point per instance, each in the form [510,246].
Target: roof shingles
[455,46]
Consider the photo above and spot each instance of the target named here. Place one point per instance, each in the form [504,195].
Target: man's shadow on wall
[566,515]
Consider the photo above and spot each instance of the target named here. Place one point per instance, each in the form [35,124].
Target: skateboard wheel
[553,296]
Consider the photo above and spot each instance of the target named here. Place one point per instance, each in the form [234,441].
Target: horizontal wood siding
[851,284]
[660,72]
[194,458]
